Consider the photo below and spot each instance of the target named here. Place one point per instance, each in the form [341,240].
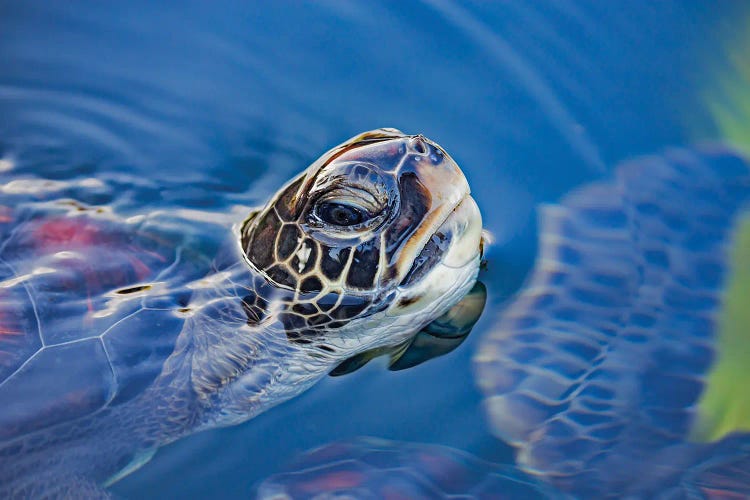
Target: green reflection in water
[725,405]
[726,89]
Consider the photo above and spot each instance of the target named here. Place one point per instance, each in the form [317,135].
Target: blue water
[215,105]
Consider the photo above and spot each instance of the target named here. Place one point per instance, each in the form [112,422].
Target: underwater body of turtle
[617,372]
[118,336]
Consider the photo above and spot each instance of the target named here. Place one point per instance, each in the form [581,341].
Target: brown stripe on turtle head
[430,187]
[415,203]
[270,237]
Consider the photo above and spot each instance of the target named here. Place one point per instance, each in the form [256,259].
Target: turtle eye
[340,214]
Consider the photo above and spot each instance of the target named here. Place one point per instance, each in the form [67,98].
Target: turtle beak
[451,214]
[464,227]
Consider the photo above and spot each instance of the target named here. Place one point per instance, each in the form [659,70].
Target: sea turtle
[619,370]
[120,335]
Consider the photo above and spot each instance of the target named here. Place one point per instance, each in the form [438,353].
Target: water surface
[214,105]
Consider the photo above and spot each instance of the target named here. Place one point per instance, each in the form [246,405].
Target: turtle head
[374,240]
[352,258]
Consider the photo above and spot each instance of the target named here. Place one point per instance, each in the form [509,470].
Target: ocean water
[215,104]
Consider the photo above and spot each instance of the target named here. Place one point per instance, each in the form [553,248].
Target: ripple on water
[209,109]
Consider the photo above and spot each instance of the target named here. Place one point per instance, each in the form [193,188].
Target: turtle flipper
[596,371]
[445,333]
[440,337]
[354,363]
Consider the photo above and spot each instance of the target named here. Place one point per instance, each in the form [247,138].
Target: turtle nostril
[418,145]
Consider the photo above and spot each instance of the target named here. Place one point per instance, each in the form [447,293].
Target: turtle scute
[81,324]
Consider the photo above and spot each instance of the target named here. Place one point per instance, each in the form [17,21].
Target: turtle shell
[89,310]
